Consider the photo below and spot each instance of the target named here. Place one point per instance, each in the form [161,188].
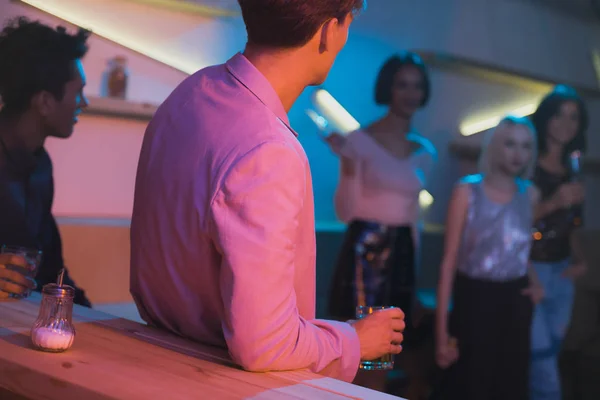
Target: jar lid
[52,289]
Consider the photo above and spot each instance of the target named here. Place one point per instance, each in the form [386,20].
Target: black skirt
[491,322]
[375,268]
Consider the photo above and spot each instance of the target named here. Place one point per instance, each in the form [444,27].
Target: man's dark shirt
[26,195]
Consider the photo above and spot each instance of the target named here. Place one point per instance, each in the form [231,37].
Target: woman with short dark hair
[383,169]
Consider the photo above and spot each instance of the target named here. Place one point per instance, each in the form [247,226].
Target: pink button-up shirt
[222,233]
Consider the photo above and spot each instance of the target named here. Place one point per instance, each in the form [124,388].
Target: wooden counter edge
[21,376]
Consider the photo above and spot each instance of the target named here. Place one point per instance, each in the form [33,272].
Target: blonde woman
[488,238]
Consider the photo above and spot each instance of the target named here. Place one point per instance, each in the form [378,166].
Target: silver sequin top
[496,238]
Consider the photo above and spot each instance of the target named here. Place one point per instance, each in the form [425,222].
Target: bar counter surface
[114,358]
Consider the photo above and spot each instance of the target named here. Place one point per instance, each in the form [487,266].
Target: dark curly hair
[291,23]
[35,58]
[550,107]
[385,78]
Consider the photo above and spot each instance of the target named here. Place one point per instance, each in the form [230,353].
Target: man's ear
[43,102]
[328,32]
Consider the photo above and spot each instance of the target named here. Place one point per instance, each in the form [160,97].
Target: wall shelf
[117,108]
[499,74]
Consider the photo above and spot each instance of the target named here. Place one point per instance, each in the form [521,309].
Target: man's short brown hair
[291,23]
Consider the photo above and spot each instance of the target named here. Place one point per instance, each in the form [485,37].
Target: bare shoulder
[462,189]
[457,209]
[468,180]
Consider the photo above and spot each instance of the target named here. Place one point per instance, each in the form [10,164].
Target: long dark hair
[550,107]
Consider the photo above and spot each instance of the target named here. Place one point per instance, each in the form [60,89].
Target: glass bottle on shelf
[116,78]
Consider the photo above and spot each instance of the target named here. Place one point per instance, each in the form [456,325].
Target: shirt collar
[247,74]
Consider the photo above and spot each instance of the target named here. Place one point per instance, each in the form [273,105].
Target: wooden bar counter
[114,358]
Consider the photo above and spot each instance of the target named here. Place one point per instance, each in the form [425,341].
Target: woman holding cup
[384,167]
[561,120]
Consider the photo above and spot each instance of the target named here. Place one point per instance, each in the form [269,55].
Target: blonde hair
[489,144]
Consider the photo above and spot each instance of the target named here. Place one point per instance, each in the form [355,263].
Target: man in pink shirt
[222,234]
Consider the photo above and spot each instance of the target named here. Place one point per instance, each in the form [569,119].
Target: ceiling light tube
[471,128]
